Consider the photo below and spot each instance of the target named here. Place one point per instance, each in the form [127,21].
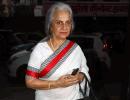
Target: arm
[41,84]
[63,81]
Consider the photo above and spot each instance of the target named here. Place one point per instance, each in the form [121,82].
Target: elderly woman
[52,61]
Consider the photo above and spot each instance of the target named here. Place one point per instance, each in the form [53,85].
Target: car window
[84,42]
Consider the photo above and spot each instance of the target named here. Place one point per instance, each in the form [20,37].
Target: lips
[63,32]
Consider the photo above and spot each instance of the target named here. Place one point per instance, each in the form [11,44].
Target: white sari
[74,58]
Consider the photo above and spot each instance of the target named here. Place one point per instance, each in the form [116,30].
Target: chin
[62,38]
[62,35]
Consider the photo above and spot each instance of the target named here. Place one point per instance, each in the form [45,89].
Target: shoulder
[73,42]
[78,48]
[40,47]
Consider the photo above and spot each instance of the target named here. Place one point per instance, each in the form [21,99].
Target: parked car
[25,46]
[115,40]
[28,37]
[18,61]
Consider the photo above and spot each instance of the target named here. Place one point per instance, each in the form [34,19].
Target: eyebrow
[62,21]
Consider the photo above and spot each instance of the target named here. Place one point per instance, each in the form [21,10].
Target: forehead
[62,15]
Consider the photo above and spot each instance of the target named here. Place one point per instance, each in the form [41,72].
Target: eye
[68,22]
[58,22]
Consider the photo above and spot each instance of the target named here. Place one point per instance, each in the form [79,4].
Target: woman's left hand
[79,76]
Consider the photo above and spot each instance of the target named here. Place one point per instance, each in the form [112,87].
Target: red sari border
[54,61]
[32,74]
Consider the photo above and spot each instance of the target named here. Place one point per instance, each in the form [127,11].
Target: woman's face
[61,24]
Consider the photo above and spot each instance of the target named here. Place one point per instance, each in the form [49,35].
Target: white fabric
[75,60]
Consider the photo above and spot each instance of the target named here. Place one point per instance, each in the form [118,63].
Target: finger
[71,80]
[65,76]
[74,77]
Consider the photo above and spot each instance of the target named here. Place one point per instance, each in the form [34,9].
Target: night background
[22,26]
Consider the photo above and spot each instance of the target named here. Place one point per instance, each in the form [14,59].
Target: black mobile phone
[75,71]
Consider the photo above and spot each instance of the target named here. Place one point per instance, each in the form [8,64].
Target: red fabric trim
[54,61]
[32,74]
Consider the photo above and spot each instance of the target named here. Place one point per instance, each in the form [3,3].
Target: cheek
[57,30]
[54,29]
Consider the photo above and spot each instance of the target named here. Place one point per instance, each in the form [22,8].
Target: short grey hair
[50,13]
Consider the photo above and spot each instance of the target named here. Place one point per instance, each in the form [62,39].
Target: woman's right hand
[67,80]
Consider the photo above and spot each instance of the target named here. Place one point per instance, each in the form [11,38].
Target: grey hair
[49,15]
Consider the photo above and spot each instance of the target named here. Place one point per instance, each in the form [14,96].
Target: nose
[64,26]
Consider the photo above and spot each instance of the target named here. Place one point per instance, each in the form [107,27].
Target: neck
[56,43]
